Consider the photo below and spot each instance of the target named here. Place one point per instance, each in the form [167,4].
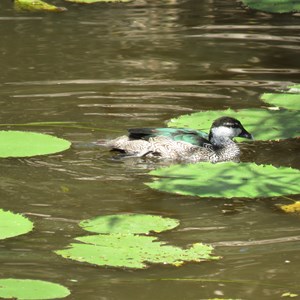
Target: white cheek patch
[226,131]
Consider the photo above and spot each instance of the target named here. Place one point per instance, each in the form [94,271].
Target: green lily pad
[13,224]
[36,5]
[227,180]
[274,6]
[129,223]
[31,289]
[132,251]
[279,124]
[294,88]
[24,144]
[289,101]
[97,1]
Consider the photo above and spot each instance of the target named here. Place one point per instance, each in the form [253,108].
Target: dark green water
[140,64]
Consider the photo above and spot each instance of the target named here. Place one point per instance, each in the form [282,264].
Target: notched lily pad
[12,224]
[227,180]
[129,223]
[274,6]
[25,144]
[122,247]
[31,289]
[36,5]
[277,125]
[132,251]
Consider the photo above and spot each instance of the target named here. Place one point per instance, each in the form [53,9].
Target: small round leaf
[25,144]
[129,223]
[13,224]
[31,289]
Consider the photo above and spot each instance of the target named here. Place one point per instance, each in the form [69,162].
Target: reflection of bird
[183,144]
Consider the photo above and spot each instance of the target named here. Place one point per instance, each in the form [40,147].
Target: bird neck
[225,148]
[220,141]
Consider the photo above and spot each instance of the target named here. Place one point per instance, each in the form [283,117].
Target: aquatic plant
[25,144]
[226,180]
[119,245]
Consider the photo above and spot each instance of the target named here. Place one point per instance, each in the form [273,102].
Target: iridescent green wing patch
[263,124]
[227,180]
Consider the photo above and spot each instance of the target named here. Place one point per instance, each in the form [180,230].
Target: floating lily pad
[97,1]
[291,208]
[129,223]
[263,124]
[289,99]
[294,88]
[122,247]
[24,144]
[36,5]
[227,180]
[274,6]
[132,251]
[31,289]
[13,224]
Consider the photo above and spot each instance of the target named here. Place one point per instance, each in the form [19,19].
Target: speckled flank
[220,146]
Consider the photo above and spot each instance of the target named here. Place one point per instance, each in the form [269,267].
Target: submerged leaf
[132,251]
[227,180]
[36,5]
[276,124]
[31,289]
[24,144]
[129,223]
[13,224]
[274,6]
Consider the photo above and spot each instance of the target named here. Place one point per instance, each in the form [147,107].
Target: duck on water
[183,144]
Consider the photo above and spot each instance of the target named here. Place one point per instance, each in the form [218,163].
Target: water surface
[113,67]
